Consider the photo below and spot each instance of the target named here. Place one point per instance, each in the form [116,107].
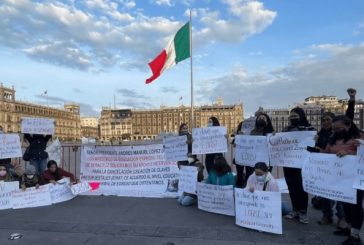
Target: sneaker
[292,215]
[351,240]
[302,217]
[325,221]
[342,232]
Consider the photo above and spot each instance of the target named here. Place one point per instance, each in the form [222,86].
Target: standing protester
[343,142]
[221,173]
[209,161]
[55,173]
[239,168]
[293,176]
[183,130]
[36,151]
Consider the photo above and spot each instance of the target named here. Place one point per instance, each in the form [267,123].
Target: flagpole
[191,71]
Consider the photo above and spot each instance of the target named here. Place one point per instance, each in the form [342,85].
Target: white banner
[175,148]
[216,199]
[31,197]
[329,176]
[10,146]
[187,179]
[289,149]
[80,188]
[359,179]
[138,171]
[37,126]
[209,140]
[261,210]
[61,191]
[6,191]
[251,149]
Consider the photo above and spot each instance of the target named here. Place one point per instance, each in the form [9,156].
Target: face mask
[210,125]
[2,173]
[260,178]
[295,122]
[342,134]
[183,133]
[30,176]
[190,160]
[261,123]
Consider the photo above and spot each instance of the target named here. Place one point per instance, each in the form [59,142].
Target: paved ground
[90,220]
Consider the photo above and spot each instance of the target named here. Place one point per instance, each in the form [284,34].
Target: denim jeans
[40,165]
[186,200]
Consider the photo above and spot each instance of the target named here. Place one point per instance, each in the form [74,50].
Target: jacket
[48,176]
[37,146]
[227,179]
[270,182]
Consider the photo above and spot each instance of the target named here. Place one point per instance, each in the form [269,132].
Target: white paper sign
[37,126]
[6,191]
[32,197]
[187,179]
[10,146]
[209,140]
[261,210]
[54,151]
[282,185]
[80,188]
[289,149]
[359,179]
[248,125]
[251,149]
[216,199]
[61,191]
[175,148]
[329,176]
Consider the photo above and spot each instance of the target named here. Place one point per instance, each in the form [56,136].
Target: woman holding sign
[344,142]
[293,176]
[209,161]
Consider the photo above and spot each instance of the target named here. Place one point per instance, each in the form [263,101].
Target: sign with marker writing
[251,149]
[10,146]
[209,140]
[37,126]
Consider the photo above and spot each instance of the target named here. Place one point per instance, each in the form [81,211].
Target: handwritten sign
[80,188]
[31,197]
[216,199]
[6,191]
[329,176]
[248,125]
[37,126]
[359,179]
[282,185]
[187,179]
[251,149]
[209,140]
[289,149]
[61,191]
[261,210]
[175,148]
[10,146]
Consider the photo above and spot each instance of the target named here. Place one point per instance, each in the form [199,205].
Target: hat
[30,170]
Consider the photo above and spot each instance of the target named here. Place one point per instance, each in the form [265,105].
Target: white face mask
[260,178]
[30,176]
[2,173]
[190,160]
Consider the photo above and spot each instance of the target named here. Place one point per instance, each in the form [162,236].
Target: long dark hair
[353,133]
[303,119]
[269,127]
[181,126]
[57,175]
[221,166]
[215,121]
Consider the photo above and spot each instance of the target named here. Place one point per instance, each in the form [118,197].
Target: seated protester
[14,172]
[221,173]
[30,178]
[262,180]
[187,199]
[4,174]
[54,173]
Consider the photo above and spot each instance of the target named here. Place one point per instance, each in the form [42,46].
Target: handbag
[26,155]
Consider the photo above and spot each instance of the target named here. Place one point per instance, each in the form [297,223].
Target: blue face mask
[260,178]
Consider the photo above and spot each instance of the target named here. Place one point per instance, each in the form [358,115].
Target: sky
[261,53]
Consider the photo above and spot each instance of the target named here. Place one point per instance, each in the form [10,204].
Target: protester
[293,176]
[187,199]
[30,178]
[344,142]
[6,176]
[239,168]
[209,161]
[55,173]
[183,130]
[36,151]
[262,179]
[221,173]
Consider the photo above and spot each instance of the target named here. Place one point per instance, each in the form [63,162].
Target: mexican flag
[178,49]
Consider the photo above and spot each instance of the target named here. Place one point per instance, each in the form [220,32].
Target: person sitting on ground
[262,179]
[221,173]
[11,173]
[30,178]
[187,199]
[55,173]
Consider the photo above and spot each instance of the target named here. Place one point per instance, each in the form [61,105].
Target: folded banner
[10,146]
[289,149]
[175,148]
[261,210]
[329,176]
[359,179]
[138,171]
[37,126]
[216,198]
[187,179]
[209,140]
[251,149]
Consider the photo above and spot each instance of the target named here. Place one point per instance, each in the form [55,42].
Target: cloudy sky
[262,53]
